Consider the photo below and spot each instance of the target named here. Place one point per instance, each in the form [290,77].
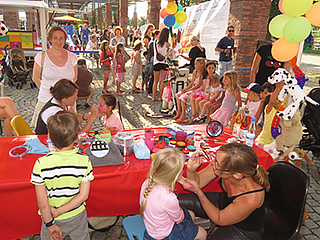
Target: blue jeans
[225,66]
[186,230]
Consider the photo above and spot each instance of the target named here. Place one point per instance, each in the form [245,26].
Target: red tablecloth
[114,191]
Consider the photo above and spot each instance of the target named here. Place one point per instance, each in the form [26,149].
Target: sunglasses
[230,30]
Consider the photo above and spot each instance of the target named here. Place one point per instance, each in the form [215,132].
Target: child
[266,90]
[120,65]
[145,78]
[201,95]
[107,103]
[63,171]
[253,101]
[265,137]
[160,210]
[136,66]
[215,93]
[105,60]
[232,95]
[195,86]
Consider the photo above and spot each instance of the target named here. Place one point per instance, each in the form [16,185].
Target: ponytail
[260,176]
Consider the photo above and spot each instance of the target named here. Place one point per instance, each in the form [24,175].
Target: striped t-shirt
[62,173]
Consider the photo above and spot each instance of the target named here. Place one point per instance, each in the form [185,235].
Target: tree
[142,21]
[130,22]
[187,3]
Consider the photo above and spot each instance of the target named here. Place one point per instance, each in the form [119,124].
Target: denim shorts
[186,230]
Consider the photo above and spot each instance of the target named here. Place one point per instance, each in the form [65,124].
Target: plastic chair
[20,126]
[285,202]
[134,227]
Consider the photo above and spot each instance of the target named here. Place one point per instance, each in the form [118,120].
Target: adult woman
[52,65]
[239,209]
[264,64]
[113,43]
[64,94]
[155,35]
[105,35]
[176,51]
[196,51]
[161,46]
[7,112]
[147,35]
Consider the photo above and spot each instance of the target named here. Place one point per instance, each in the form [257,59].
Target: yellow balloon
[181,16]
[313,15]
[172,8]
[284,51]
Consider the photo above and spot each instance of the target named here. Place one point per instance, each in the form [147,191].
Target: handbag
[126,56]
[159,56]
[148,68]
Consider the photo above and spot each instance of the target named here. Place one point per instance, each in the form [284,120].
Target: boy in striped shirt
[62,182]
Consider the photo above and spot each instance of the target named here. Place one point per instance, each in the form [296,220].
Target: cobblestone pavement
[133,109]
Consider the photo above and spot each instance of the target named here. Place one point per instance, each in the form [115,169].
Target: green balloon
[180,8]
[296,8]
[297,29]
[277,24]
[176,25]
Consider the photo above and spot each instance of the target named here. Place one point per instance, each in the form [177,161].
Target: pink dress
[204,92]
[185,97]
[224,113]
[112,121]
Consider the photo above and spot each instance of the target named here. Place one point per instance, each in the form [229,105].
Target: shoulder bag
[159,56]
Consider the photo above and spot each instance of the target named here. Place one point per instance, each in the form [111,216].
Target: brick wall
[108,9]
[153,16]
[123,16]
[31,19]
[12,19]
[250,19]
[99,22]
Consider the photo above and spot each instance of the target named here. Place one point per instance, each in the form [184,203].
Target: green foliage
[115,16]
[187,3]
[130,22]
[274,11]
[142,21]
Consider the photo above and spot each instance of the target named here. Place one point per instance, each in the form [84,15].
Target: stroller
[16,69]
[311,120]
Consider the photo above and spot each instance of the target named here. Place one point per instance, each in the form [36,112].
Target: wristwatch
[49,224]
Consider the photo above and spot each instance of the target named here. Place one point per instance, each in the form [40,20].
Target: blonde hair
[165,169]
[234,81]
[241,158]
[202,71]
[214,78]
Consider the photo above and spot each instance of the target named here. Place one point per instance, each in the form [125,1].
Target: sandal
[122,90]
[136,91]
[176,117]
[181,121]
[119,94]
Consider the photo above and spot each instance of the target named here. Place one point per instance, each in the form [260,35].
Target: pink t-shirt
[253,107]
[112,121]
[161,212]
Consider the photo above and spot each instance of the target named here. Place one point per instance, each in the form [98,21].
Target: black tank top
[255,221]
[41,128]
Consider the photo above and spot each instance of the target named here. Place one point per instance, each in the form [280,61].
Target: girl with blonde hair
[232,95]
[160,210]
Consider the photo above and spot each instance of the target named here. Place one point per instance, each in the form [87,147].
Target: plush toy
[291,134]
[292,90]
[297,155]
[3,30]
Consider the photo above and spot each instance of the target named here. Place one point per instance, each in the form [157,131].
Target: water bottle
[244,126]
[237,122]
[251,132]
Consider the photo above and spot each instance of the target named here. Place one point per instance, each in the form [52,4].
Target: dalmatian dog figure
[292,90]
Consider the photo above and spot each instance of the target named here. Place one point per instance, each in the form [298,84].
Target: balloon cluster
[173,15]
[292,26]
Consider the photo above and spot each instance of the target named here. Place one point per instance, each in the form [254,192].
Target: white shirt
[51,73]
[162,50]
[176,51]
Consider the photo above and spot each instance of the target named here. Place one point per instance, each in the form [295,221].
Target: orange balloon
[163,12]
[313,15]
[284,51]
